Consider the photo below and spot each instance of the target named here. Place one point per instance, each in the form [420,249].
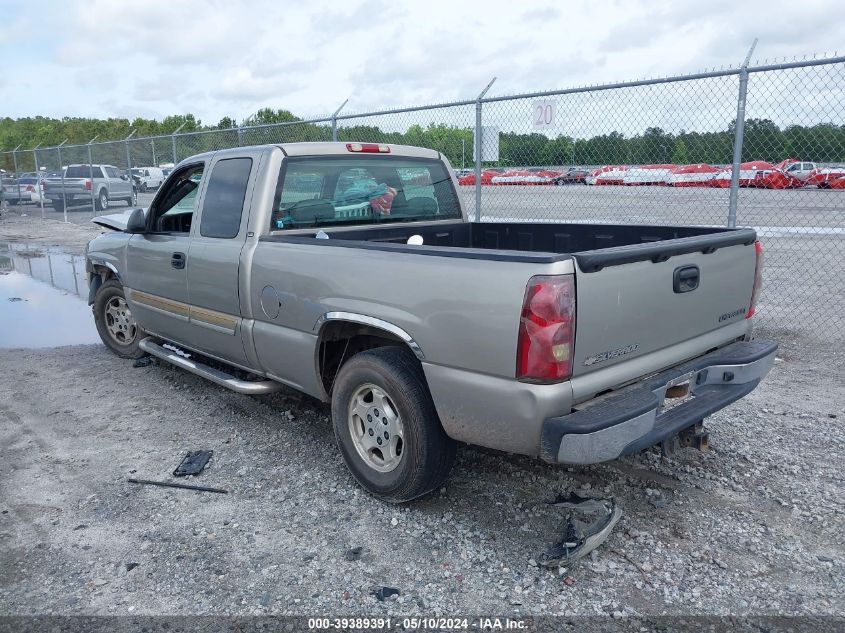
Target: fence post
[62,171]
[91,173]
[129,164]
[17,175]
[477,151]
[240,136]
[739,135]
[173,141]
[334,120]
[38,179]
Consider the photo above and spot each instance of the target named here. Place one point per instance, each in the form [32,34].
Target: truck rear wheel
[115,323]
[387,428]
[102,201]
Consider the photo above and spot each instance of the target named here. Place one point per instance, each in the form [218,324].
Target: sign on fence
[489,143]
[543,115]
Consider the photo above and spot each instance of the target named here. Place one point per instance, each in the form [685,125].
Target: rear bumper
[638,417]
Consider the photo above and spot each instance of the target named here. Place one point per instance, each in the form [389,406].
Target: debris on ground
[144,361]
[168,484]
[193,463]
[354,553]
[383,593]
[581,537]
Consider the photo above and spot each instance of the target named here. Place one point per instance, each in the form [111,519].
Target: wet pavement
[43,298]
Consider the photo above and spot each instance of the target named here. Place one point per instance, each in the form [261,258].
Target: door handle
[177,260]
[685,279]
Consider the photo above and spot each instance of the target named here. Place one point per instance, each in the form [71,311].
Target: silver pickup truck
[349,271]
[84,184]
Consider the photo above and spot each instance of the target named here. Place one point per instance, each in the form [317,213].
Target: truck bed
[594,246]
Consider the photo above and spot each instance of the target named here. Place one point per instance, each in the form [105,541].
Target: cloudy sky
[157,57]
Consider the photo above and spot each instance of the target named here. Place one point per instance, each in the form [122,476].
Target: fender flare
[381,324]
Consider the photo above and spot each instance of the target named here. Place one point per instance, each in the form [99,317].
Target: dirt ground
[754,527]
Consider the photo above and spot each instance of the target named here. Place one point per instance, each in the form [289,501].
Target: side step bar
[250,387]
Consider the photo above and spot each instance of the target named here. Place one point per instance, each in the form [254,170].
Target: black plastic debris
[354,553]
[193,463]
[169,484]
[144,361]
[131,566]
[383,593]
[588,524]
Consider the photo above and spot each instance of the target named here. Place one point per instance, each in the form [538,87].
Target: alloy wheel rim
[376,428]
[120,323]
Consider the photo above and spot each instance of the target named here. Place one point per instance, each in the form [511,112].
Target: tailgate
[70,184]
[640,299]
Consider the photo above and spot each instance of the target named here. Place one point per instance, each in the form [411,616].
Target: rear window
[82,171]
[334,191]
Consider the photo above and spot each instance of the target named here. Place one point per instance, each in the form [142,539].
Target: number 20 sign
[543,114]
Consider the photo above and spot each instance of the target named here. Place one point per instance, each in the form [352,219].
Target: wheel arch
[99,273]
[341,335]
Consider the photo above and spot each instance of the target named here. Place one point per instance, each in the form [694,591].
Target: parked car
[698,175]
[648,175]
[573,176]
[747,174]
[76,187]
[823,177]
[487,176]
[148,177]
[420,328]
[535,176]
[799,170]
[22,190]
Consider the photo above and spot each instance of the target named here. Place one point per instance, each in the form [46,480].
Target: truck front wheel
[115,323]
[387,428]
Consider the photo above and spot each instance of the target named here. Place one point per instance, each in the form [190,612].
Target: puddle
[43,298]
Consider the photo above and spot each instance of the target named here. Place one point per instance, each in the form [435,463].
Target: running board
[250,387]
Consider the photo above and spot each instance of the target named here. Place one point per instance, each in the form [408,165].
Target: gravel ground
[754,527]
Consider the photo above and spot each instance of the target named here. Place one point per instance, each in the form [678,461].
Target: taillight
[758,280]
[368,148]
[88,184]
[29,188]
[546,342]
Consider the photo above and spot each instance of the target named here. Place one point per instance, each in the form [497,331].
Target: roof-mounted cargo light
[368,148]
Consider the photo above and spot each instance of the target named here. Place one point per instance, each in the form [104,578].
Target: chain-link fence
[760,146]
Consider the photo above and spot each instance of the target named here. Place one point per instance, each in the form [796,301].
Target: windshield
[359,189]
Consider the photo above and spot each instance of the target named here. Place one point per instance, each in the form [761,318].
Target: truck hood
[116,221]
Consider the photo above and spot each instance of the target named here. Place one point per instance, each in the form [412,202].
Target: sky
[153,58]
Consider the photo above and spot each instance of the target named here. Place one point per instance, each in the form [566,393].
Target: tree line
[764,140]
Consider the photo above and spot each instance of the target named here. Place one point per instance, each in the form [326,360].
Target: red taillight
[88,185]
[758,280]
[368,148]
[546,342]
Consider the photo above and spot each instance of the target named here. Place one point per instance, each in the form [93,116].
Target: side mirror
[124,177]
[137,222]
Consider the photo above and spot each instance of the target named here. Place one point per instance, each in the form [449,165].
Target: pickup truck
[349,271]
[77,186]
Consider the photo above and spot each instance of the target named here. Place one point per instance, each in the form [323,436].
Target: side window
[112,172]
[173,209]
[224,198]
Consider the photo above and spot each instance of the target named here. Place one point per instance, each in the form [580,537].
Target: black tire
[427,452]
[109,291]
[59,206]
[102,200]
